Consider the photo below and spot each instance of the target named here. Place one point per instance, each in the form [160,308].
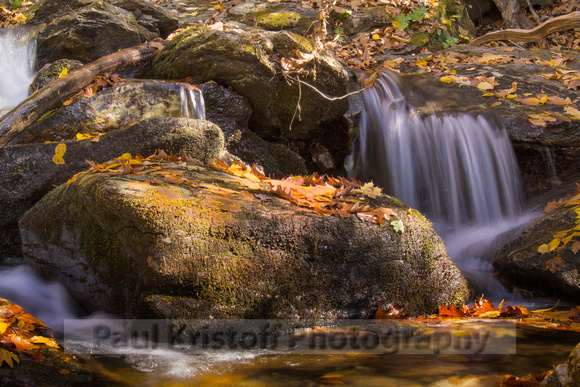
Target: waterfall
[17,66]
[192,103]
[458,169]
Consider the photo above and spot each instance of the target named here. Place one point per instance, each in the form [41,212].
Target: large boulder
[27,172]
[249,63]
[149,15]
[196,242]
[555,272]
[88,33]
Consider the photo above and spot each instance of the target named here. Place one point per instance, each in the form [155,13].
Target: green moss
[419,39]
[277,20]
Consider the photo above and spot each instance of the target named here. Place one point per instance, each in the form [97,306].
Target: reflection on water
[537,352]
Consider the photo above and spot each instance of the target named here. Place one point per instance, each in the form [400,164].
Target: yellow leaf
[63,73]
[8,357]
[3,326]
[553,244]
[446,79]
[44,340]
[398,26]
[543,249]
[484,86]
[376,36]
[59,152]
[575,113]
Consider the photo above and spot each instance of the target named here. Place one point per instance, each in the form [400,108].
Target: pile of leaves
[445,65]
[567,320]
[323,195]
[563,237]
[21,333]
[14,15]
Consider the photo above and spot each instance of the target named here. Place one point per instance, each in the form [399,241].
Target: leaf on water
[554,264]
[8,357]
[398,226]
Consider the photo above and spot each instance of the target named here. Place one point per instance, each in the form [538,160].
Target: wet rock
[556,272]
[27,172]
[110,109]
[249,63]
[143,250]
[231,112]
[89,33]
[565,374]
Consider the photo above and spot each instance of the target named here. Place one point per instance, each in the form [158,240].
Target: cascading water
[17,66]
[459,169]
[192,103]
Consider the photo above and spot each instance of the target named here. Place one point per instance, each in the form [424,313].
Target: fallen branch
[59,90]
[556,24]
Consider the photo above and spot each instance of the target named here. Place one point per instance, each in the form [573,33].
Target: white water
[48,301]
[192,103]
[17,67]
[460,170]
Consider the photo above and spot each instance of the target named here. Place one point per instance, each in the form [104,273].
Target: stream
[459,170]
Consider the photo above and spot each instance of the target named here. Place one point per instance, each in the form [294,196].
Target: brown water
[536,352]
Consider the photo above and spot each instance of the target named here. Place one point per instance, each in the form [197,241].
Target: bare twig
[322,94]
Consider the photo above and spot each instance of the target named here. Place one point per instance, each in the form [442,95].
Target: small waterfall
[460,170]
[17,66]
[192,103]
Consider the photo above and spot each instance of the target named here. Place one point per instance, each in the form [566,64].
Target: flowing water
[459,169]
[480,212]
[17,66]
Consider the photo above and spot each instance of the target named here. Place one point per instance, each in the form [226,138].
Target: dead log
[59,90]
[556,24]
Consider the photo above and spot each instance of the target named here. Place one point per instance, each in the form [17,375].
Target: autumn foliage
[21,333]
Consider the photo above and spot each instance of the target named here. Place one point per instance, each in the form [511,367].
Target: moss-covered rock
[27,172]
[249,63]
[127,245]
[89,33]
[556,272]
[52,71]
